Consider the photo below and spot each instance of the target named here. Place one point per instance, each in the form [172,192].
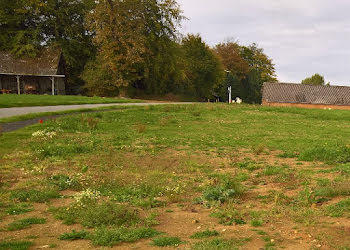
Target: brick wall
[303,105]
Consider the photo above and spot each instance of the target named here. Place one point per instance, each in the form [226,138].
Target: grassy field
[201,176]
[11,100]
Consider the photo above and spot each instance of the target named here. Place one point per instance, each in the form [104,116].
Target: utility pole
[229,88]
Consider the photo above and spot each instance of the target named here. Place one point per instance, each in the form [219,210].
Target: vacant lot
[195,177]
[10,100]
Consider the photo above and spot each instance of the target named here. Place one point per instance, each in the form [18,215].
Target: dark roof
[46,64]
[308,94]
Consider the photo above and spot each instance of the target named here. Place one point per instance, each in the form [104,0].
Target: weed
[342,208]
[337,153]
[224,187]
[166,241]
[229,216]
[63,182]
[34,195]
[15,245]
[216,244]
[249,165]
[110,237]
[74,235]
[289,154]
[140,128]
[20,208]
[259,149]
[25,223]
[94,215]
[205,234]
[333,189]
[256,223]
[196,113]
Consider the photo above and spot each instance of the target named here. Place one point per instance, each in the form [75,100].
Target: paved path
[8,112]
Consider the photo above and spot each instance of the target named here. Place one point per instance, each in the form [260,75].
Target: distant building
[43,74]
[305,96]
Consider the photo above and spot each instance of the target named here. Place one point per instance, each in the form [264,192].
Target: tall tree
[316,79]
[229,53]
[135,41]
[203,69]
[259,62]
[29,25]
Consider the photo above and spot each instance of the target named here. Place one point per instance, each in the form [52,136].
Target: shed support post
[0,84]
[53,85]
[18,85]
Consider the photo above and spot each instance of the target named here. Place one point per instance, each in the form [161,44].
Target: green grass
[19,208]
[109,237]
[93,215]
[145,162]
[74,235]
[166,241]
[216,244]
[11,100]
[15,245]
[25,223]
[340,209]
[33,195]
[204,234]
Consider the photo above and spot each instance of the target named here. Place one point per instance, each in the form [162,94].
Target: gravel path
[8,112]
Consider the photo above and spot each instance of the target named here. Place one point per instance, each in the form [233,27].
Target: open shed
[43,74]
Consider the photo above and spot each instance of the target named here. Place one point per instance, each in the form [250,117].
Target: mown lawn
[11,100]
[201,176]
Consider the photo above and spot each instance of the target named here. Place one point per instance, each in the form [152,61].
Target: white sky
[302,37]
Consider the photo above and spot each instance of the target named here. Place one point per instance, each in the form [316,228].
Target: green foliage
[15,245]
[166,241]
[74,235]
[25,223]
[27,26]
[316,79]
[204,234]
[110,237]
[203,69]
[248,67]
[34,195]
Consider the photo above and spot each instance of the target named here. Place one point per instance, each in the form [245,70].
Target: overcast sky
[302,37]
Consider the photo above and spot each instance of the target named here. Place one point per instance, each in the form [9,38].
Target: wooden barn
[43,74]
[306,96]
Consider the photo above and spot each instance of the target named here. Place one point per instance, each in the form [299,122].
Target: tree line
[132,48]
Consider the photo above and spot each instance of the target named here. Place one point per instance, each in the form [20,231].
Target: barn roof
[46,64]
[307,94]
